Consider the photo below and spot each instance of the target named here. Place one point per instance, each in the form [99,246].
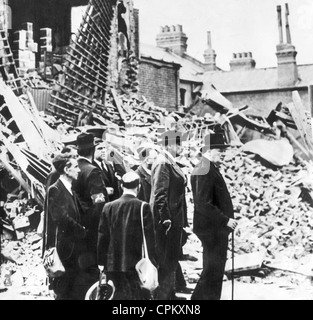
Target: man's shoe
[179,298]
[185,290]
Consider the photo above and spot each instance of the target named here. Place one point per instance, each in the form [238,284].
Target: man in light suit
[213,217]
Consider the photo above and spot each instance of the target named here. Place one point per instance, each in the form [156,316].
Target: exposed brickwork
[158,82]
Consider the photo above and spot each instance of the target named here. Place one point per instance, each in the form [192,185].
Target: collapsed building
[95,86]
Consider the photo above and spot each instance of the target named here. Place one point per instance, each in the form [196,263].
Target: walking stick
[233,266]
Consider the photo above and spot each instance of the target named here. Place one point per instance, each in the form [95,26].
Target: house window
[182,97]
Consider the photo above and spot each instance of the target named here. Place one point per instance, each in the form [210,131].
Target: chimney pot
[179,28]
[242,61]
[172,39]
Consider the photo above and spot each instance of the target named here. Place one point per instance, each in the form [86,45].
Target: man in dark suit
[168,203]
[54,175]
[120,239]
[213,218]
[92,194]
[108,172]
[148,155]
[64,227]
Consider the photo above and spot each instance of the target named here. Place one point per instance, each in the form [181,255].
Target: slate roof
[253,80]
[191,69]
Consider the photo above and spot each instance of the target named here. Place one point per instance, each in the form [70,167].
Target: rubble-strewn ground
[274,219]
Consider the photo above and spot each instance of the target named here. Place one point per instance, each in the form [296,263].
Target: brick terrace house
[171,78]
[262,89]
[168,75]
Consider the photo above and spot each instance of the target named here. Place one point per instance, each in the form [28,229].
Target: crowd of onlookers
[93,216]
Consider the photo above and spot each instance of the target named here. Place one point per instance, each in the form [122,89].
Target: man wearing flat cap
[168,203]
[64,227]
[213,217]
[120,239]
[92,194]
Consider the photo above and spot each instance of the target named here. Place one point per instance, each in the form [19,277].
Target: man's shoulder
[86,167]
[203,168]
[56,188]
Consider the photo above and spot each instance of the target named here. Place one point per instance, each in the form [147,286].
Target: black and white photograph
[156,150]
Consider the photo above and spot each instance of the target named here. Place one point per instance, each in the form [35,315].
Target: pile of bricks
[270,205]
[24,48]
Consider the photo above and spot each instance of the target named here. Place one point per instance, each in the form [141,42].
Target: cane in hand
[233,266]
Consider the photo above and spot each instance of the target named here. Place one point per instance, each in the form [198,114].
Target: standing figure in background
[108,172]
[148,155]
[168,203]
[213,218]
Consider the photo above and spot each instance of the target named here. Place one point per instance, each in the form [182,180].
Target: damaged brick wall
[159,82]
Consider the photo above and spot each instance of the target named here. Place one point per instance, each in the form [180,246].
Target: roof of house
[252,80]
[191,69]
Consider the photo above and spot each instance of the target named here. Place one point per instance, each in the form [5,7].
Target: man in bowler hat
[92,194]
[213,218]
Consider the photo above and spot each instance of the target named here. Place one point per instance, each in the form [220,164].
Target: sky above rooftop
[236,26]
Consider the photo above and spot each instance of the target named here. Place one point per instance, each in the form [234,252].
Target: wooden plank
[118,105]
[300,117]
[245,262]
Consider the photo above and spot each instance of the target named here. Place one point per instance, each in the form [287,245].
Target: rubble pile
[270,205]
[22,267]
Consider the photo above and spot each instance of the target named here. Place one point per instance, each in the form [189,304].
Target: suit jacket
[52,179]
[120,236]
[168,193]
[92,195]
[145,180]
[65,216]
[110,180]
[213,204]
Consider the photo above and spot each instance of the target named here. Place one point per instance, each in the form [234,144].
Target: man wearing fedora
[92,194]
[213,218]
[168,203]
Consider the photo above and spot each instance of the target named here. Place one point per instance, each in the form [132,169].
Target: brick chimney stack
[209,55]
[286,54]
[242,61]
[173,38]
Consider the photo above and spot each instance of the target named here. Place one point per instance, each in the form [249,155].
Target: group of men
[94,218]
